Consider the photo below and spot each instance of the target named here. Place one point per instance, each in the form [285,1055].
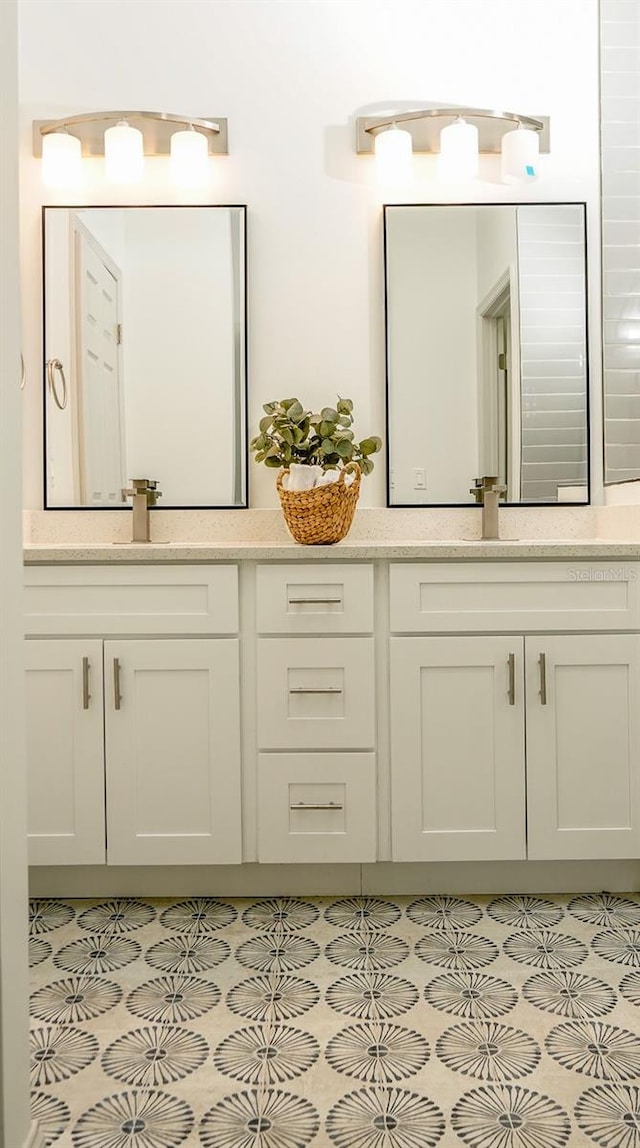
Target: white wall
[178,345]
[497,253]
[14,1060]
[291,76]
[433,398]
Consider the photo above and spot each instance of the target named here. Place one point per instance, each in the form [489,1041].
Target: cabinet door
[457,749]
[173,752]
[65,752]
[583,746]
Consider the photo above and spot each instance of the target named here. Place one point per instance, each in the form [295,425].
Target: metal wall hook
[23,372]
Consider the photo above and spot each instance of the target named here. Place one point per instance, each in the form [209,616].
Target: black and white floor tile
[353,1022]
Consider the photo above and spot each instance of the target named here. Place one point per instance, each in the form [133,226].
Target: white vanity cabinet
[316,726]
[472,711]
[152,723]
[463,708]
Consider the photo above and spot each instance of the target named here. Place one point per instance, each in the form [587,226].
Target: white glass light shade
[519,156]
[123,153]
[61,160]
[458,160]
[190,159]
[394,157]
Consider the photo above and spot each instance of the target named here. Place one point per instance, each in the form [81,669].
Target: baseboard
[459,877]
[383,878]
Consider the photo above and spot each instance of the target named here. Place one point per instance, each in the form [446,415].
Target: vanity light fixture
[124,143]
[458,159]
[471,132]
[189,158]
[123,153]
[61,160]
[394,157]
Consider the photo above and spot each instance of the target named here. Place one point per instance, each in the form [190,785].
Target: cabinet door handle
[542,663]
[315,690]
[85,684]
[315,601]
[117,696]
[512,679]
[316,805]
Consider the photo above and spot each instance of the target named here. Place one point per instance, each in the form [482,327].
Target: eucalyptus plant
[289,433]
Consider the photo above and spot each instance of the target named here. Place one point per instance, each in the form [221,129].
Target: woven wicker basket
[324,513]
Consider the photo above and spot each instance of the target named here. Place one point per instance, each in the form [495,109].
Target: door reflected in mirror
[486,340]
[145,354]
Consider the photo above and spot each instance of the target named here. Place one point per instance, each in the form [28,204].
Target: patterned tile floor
[505,1022]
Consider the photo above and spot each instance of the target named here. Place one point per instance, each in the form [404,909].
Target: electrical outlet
[419,478]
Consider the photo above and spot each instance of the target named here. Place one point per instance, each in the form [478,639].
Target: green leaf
[265,423]
[370,445]
[345,406]
[344,449]
[328,415]
[366,465]
[272,462]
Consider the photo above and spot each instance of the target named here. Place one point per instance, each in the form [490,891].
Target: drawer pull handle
[542,662]
[512,679]
[117,696]
[86,696]
[329,805]
[315,690]
[315,601]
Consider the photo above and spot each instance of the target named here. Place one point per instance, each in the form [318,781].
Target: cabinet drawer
[316,807]
[438,597]
[316,693]
[317,598]
[131,600]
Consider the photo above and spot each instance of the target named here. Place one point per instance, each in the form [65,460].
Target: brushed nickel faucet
[144,492]
[487,491]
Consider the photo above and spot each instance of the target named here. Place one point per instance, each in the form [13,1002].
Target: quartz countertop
[435,550]
[435,534]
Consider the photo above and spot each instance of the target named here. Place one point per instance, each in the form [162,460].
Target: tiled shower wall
[553,368]
[620,140]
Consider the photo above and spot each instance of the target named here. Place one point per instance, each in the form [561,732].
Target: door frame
[504,290]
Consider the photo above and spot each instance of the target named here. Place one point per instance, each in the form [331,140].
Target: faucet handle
[146,486]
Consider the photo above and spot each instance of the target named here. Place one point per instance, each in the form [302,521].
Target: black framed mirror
[145,346]
[486,352]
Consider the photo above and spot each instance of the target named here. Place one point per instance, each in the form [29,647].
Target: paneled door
[98,364]
[583,746]
[457,749]
[173,751]
[65,752]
